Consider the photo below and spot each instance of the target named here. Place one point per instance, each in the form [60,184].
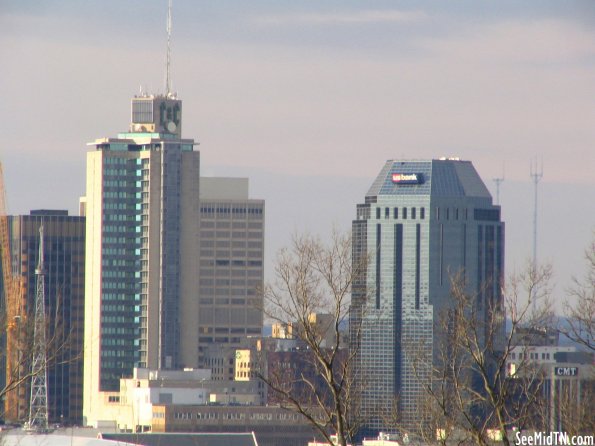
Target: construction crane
[13,313]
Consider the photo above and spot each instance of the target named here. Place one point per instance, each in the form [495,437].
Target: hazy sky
[309,99]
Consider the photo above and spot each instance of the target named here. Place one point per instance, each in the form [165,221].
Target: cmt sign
[408,178]
[566,371]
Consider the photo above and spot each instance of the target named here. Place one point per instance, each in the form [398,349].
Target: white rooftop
[20,438]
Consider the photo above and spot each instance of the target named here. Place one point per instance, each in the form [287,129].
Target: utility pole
[38,405]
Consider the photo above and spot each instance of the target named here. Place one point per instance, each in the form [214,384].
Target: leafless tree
[18,373]
[476,390]
[574,401]
[579,310]
[316,277]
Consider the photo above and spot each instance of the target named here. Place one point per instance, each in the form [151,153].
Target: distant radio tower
[168,91]
[38,405]
[498,182]
[536,175]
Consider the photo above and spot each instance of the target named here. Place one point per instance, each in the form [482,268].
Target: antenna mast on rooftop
[168,91]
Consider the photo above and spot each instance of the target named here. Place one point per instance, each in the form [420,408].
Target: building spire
[168,91]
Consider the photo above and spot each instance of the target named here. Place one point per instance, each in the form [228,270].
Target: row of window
[226,262]
[455,214]
[114,296]
[115,319]
[226,224]
[118,240]
[525,355]
[117,229]
[115,172]
[212,253]
[230,210]
[231,416]
[117,274]
[233,234]
[108,160]
[118,205]
[223,340]
[236,330]
[236,287]
[118,183]
[440,213]
[404,213]
[210,301]
[118,262]
[115,307]
[118,331]
[119,217]
[105,341]
[226,282]
[238,244]
[120,194]
[105,353]
[115,251]
[115,285]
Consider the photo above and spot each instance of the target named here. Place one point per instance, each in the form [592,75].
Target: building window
[413,212]
[386,212]
[377,213]
[422,213]
[404,213]
[396,213]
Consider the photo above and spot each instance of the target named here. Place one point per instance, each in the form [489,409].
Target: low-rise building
[564,378]
[272,425]
[131,409]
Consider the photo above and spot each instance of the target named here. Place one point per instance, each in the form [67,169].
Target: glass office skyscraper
[64,265]
[421,223]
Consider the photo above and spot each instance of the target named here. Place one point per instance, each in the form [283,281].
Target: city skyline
[308,100]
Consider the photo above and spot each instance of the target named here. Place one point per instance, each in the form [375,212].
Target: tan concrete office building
[231,269]
[141,204]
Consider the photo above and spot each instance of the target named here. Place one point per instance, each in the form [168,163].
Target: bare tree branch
[471,391]
[315,278]
[579,309]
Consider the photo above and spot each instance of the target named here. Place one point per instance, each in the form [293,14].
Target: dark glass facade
[64,260]
[422,223]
